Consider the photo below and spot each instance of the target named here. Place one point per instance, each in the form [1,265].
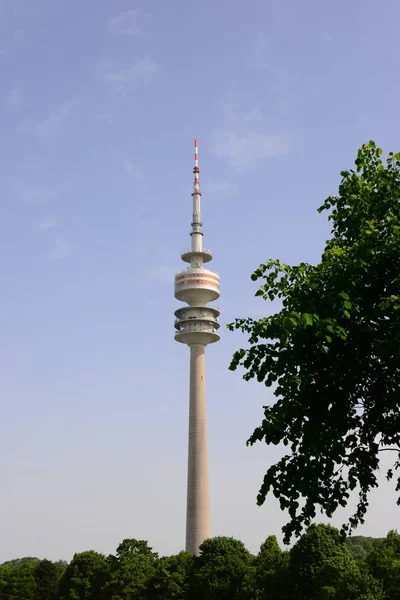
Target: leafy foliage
[360,546]
[18,582]
[17,562]
[272,569]
[133,566]
[332,352]
[172,577]
[85,577]
[319,566]
[317,563]
[47,577]
[220,570]
[384,565]
[357,582]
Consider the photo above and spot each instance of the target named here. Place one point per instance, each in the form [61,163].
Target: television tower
[196,325]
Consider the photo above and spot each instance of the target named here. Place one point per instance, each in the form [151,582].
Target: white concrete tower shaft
[198,502]
[196,325]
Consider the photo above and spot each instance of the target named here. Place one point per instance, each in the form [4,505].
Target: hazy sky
[100,102]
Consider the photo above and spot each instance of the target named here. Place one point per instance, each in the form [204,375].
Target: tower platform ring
[184,310]
[196,337]
[206,255]
[193,324]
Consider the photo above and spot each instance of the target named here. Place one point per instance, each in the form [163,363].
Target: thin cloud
[50,126]
[59,251]
[327,37]
[19,36]
[132,169]
[164,274]
[139,74]
[218,187]
[46,224]
[33,195]
[13,8]
[280,83]
[282,13]
[244,140]
[13,99]
[243,148]
[103,117]
[12,42]
[260,45]
[126,23]
[140,283]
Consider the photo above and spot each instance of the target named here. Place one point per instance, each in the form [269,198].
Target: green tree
[17,562]
[172,577]
[18,582]
[131,570]
[85,577]
[272,570]
[318,561]
[5,577]
[357,583]
[360,546]
[47,576]
[332,352]
[384,565]
[220,570]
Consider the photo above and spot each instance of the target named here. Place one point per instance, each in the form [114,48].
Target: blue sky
[100,102]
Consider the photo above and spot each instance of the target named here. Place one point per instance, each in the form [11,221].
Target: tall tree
[5,578]
[317,563]
[360,546]
[85,577]
[18,582]
[384,564]
[220,570]
[272,570]
[131,570]
[172,577]
[47,576]
[332,352]
[358,583]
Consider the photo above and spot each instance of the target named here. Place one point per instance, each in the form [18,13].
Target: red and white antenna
[196,170]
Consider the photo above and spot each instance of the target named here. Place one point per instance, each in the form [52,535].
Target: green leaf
[308,319]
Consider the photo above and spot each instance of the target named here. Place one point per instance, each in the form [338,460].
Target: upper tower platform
[197,286]
[189,255]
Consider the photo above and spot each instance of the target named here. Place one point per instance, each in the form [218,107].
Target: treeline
[320,566]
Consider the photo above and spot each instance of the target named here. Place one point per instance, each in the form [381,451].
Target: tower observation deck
[197,326]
